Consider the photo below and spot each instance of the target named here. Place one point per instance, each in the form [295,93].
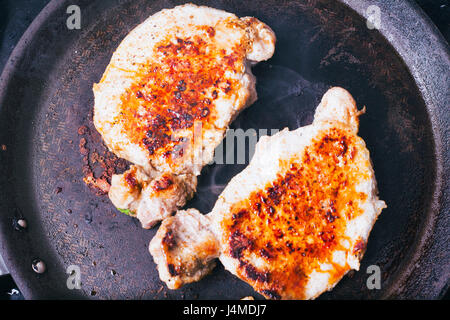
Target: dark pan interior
[320,44]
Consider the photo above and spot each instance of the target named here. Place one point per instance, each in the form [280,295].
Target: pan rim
[438,119]
[433,101]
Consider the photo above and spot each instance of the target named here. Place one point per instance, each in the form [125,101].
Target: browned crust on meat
[163,183]
[296,222]
[179,89]
[174,262]
[359,248]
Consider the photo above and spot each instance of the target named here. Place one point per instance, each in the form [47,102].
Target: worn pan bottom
[46,97]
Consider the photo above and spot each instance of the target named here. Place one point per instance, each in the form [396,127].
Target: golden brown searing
[292,223]
[167,97]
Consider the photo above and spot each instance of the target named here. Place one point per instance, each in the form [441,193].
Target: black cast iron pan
[399,72]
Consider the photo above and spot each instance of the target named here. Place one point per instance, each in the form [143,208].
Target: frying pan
[399,71]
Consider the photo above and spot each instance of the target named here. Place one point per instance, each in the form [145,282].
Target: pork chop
[170,91]
[292,223]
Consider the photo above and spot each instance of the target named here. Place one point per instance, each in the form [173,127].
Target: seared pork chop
[167,97]
[292,223]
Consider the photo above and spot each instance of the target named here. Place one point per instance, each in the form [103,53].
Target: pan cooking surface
[320,44]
